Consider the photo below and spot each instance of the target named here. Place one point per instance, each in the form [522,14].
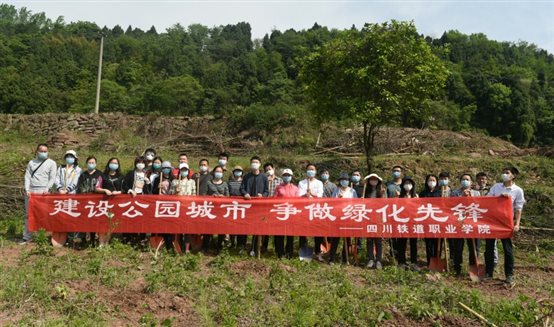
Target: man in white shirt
[311,187]
[39,179]
[507,188]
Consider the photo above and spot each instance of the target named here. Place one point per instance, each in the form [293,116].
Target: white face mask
[408,187]
[140,166]
[432,184]
[255,165]
[222,162]
[203,169]
[506,177]
[270,172]
[150,157]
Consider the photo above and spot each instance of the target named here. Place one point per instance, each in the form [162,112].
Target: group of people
[152,175]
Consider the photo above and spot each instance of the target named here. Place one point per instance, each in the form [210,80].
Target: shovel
[325,246]
[155,241]
[476,271]
[437,264]
[306,253]
[58,239]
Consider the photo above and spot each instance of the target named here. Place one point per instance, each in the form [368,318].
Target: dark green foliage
[47,65]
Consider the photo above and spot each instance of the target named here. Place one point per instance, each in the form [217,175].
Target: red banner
[457,217]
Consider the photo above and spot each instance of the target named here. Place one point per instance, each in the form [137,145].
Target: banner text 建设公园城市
[454,217]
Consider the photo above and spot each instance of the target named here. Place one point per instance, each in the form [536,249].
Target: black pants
[399,248]
[335,245]
[378,244]
[457,251]
[264,245]
[280,249]
[508,257]
[432,246]
[317,244]
[241,241]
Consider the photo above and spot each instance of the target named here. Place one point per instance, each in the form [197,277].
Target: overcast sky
[530,21]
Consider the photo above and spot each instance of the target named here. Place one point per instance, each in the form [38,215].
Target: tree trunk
[368,142]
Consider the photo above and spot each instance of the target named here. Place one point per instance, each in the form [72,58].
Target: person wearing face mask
[375,190]
[400,244]
[483,188]
[203,177]
[154,171]
[235,180]
[444,180]
[234,190]
[328,186]
[162,183]
[183,158]
[431,190]
[222,160]
[216,187]
[285,190]
[311,187]
[394,185]
[109,183]
[457,244]
[136,182]
[272,181]
[254,184]
[87,184]
[357,184]
[66,183]
[328,190]
[507,188]
[68,174]
[343,191]
[149,155]
[184,186]
[40,176]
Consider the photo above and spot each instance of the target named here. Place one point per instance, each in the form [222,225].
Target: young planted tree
[382,75]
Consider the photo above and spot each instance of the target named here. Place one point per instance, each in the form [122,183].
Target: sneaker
[370,264]
[252,253]
[415,267]
[509,280]
[378,265]
[320,257]
[25,242]
[331,263]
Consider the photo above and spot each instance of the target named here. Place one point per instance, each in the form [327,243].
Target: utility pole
[97,105]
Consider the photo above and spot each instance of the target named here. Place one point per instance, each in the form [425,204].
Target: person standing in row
[328,186]
[285,190]
[457,249]
[431,190]
[254,184]
[87,184]
[66,183]
[343,191]
[217,187]
[400,244]
[110,183]
[40,176]
[234,190]
[375,190]
[184,186]
[507,188]
[311,187]
[272,181]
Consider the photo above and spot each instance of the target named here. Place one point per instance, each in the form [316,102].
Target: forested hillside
[500,88]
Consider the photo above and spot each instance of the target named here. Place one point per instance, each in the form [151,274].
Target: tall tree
[373,77]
